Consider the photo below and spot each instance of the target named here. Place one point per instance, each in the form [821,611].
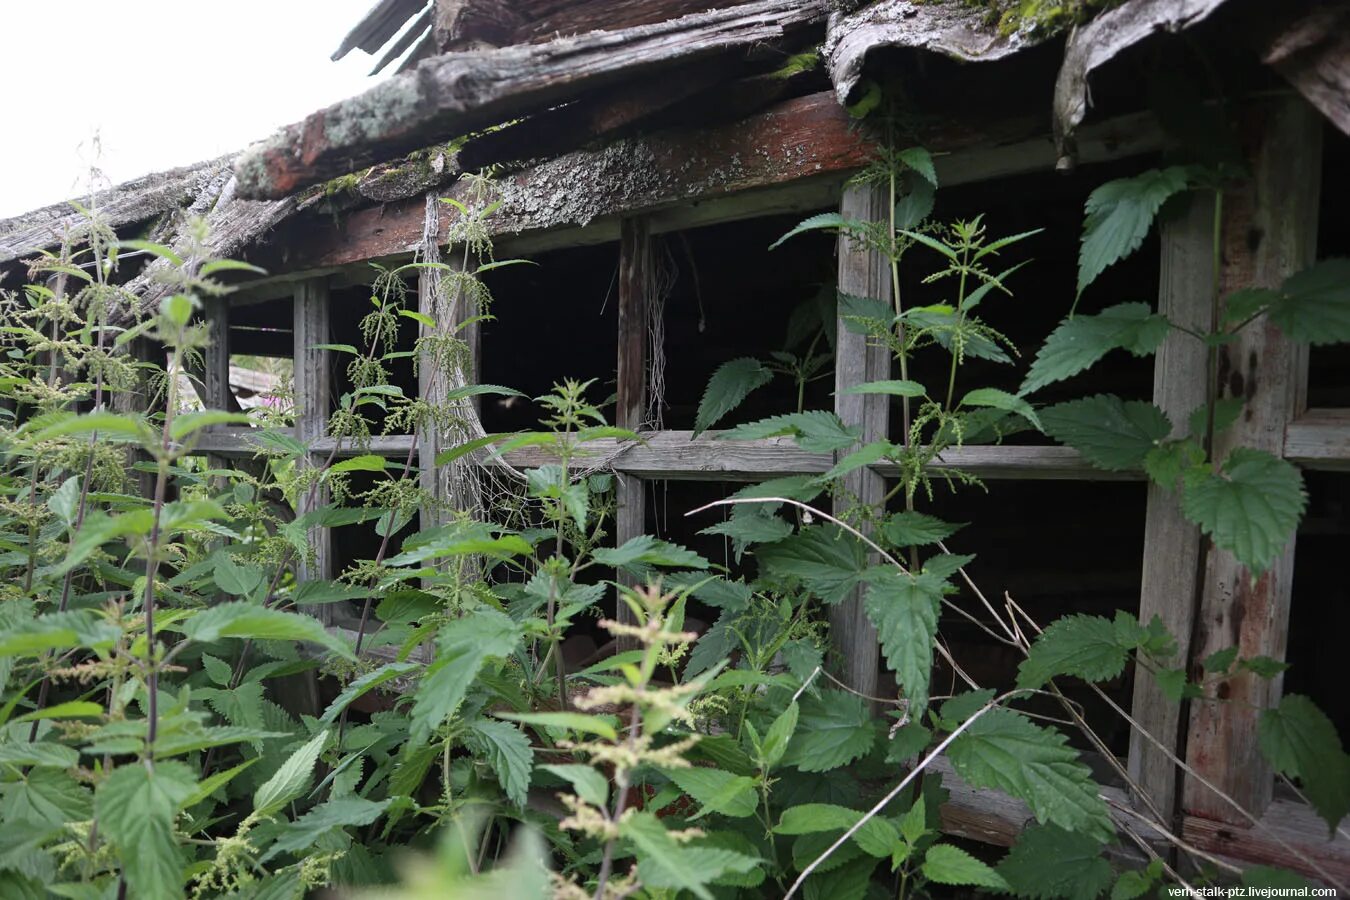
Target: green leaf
[993,398]
[645,550]
[776,739]
[1119,215]
[1250,509]
[904,609]
[822,557]
[463,646]
[368,462]
[1049,863]
[186,423]
[71,709]
[341,812]
[1111,433]
[895,388]
[921,161]
[58,631]
[508,752]
[136,807]
[1258,879]
[45,799]
[749,524]
[833,730]
[877,836]
[240,619]
[665,863]
[946,864]
[1301,742]
[1006,751]
[730,384]
[234,579]
[40,754]
[1314,305]
[588,784]
[1220,660]
[1086,647]
[916,529]
[568,721]
[290,779]
[822,221]
[1079,341]
[717,791]
[815,431]
[365,683]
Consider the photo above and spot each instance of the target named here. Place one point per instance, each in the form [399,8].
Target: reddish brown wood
[546,19]
[630,408]
[1286,822]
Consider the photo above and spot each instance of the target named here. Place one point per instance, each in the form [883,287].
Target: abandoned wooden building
[648,156]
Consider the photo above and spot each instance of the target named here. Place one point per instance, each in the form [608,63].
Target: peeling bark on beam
[456,93]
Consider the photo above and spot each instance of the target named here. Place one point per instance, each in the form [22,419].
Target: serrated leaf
[877,836]
[1301,742]
[508,751]
[1119,215]
[367,682]
[776,739]
[822,557]
[665,863]
[645,550]
[822,221]
[916,529]
[904,610]
[58,631]
[1049,863]
[729,385]
[136,807]
[946,864]
[893,387]
[815,431]
[234,579]
[717,791]
[578,722]
[588,784]
[1086,647]
[833,730]
[1314,305]
[1080,341]
[993,398]
[463,646]
[1006,751]
[39,754]
[1220,660]
[1250,509]
[290,779]
[45,799]
[1111,433]
[251,621]
[342,812]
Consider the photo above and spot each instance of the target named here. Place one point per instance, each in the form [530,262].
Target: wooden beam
[1313,54]
[313,394]
[1169,583]
[862,273]
[457,93]
[1269,232]
[630,407]
[1286,823]
[1319,439]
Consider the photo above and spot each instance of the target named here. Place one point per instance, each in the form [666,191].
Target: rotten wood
[457,93]
[1172,549]
[630,406]
[1269,232]
[313,395]
[378,26]
[1286,823]
[1313,54]
[863,272]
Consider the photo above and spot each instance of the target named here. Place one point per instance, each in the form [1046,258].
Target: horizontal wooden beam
[790,158]
[1319,439]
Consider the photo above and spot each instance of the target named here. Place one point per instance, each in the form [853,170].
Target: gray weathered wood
[1319,439]
[313,395]
[1313,54]
[863,273]
[1269,232]
[630,408]
[1169,581]
[456,93]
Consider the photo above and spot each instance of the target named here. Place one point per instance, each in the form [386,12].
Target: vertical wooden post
[1171,571]
[1269,232]
[635,258]
[313,394]
[136,400]
[216,375]
[863,273]
[450,310]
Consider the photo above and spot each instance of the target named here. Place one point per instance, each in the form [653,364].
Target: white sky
[162,83]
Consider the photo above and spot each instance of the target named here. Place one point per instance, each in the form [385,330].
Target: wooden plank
[313,394]
[1319,439]
[457,93]
[691,177]
[1286,823]
[1313,54]
[1171,570]
[630,407]
[862,273]
[1269,232]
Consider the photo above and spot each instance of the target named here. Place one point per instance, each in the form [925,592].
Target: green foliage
[730,384]
[1300,742]
[1079,342]
[1111,433]
[1050,863]
[1119,216]
[1250,507]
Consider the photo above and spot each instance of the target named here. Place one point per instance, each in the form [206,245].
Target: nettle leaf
[290,779]
[729,385]
[1049,863]
[365,683]
[1119,215]
[822,557]
[57,631]
[815,431]
[645,550]
[1005,750]
[916,529]
[893,387]
[342,812]
[829,221]
[664,862]
[1250,508]
[993,398]
[509,753]
[1080,341]
[1111,433]
[588,784]
[463,646]
[1313,306]
[1301,742]
[252,621]
[136,807]
[751,524]
[904,609]
[877,836]
[834,729]
[946,864]
[717,791]
[1087,647]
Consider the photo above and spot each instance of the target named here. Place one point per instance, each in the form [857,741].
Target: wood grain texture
[1269,232]
[862,273]
[313,395]
[456,93]
[1319,439]
[1313,54]
[630,407]
[1171,569]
